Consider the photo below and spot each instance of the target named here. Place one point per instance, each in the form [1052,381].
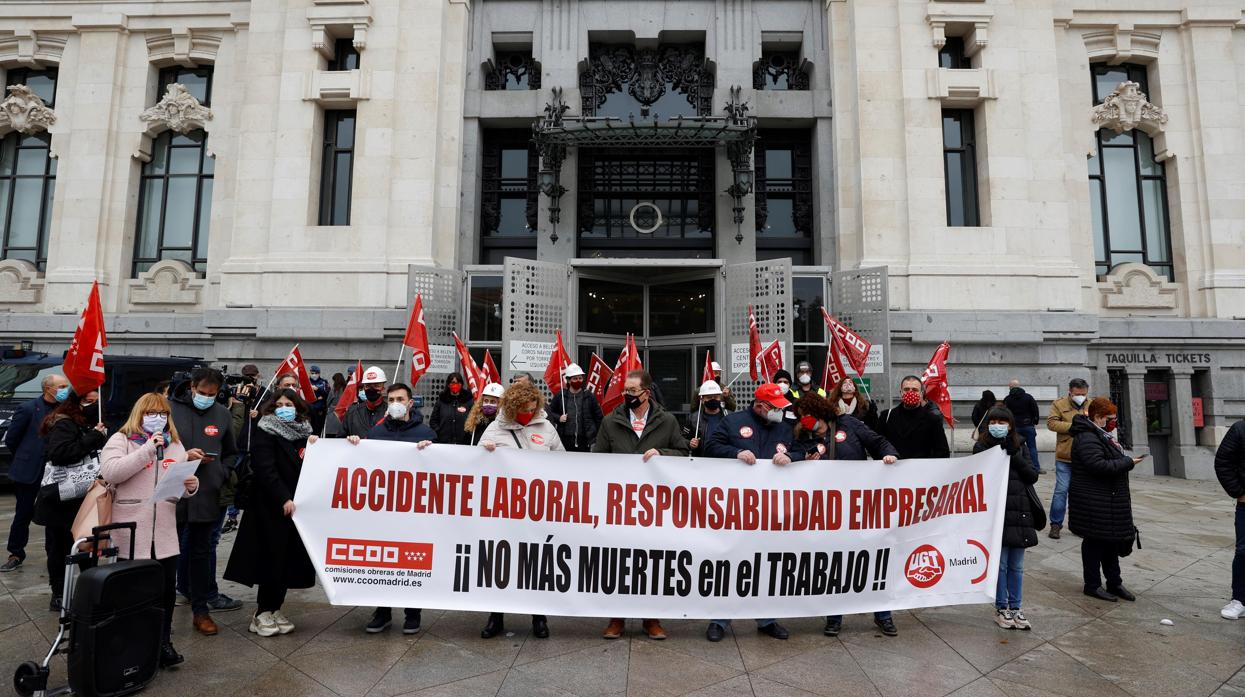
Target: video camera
[240,387]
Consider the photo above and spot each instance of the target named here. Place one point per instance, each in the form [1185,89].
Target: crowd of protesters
[250,449]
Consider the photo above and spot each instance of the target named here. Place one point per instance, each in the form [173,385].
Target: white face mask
[396,411]
[774,416]
[1078,399]
[784,387]
[805,378]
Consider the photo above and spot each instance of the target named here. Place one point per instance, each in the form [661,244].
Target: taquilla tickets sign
[456,527]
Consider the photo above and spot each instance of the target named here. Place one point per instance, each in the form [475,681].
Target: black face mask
[372,395]
[713,404]
[633,402]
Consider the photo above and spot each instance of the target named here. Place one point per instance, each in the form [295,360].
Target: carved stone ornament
[167,282]
[20,283]
[1127,108]
[178,111]
[1136,289]
[24,111]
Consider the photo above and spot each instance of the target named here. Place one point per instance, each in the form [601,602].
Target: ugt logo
[925,566]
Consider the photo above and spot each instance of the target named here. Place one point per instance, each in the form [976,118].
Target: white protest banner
[460,528]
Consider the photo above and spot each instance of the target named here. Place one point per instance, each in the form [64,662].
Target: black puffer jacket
[449,417]
[1018,528]
[1099,504]
[846,438]
[1229,461]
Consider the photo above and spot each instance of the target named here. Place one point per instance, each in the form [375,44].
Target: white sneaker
[263,624]
[1233,610]
[284,625]
[1019,621]
[1003,618]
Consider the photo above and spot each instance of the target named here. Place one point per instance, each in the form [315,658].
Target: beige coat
[133,470]
[538,434]
[1060,420]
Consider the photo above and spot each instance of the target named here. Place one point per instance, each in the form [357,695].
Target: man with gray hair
[26,468]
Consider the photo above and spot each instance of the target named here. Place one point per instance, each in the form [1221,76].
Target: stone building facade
[1056,187]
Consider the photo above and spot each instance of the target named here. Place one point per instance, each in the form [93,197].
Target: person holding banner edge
[521,423]
[758,433]
[639,426]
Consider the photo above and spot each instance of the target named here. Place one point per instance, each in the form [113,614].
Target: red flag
[84,361]
[707,373]
[294,365]
[351,393]
[599,375]
[754,344]
[628,361]
[935,380]
[853,345]
[832,374]
[489,369]
[417,338]
[771,360]
[636,363]
[475,378]
[558,360]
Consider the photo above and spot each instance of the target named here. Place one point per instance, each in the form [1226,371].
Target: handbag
[71,481]
[96,509]
[1036,508]
[1125,547]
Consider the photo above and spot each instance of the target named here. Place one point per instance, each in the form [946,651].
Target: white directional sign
[739,357]
[530,356]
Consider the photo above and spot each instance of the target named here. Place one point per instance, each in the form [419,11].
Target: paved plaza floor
[1078,646]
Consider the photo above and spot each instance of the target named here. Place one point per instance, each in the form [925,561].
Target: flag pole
[398,365]
[700,415]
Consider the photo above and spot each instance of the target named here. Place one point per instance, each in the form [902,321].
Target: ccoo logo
[925,566]
[378,553]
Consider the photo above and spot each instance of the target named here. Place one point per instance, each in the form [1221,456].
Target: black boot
[540,626]
[494,626]
[169,656]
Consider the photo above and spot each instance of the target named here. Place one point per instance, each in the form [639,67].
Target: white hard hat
[716,366]
[710,387]
[573,371]
[493,389]
[373,375]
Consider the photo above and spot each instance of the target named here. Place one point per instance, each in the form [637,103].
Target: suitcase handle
[131,526]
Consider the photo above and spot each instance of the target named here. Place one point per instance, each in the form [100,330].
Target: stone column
[1136,416]
[1188,461]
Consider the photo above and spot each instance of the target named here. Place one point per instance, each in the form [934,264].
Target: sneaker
[11,564]
[410,625]
[380,622]
[887,626]
[1003,618]
[264,624]
[223,603]
[1019,619]
[1233,610]
[284,625]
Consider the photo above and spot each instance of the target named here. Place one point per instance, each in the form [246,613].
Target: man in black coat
[1230,468]
[26,467]
[575,412]
[370,409]
[914,428]
[1024,409]
[402,422]
[206,429]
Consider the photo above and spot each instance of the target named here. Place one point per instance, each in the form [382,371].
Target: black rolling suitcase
[114,620]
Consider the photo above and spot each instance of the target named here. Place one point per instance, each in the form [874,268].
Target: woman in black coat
[998,428]
[1100,509]
[72,432]
[268,551]
[449,414]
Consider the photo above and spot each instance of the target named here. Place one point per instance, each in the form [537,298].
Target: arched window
[27,179]
[1127,188]
[175,196]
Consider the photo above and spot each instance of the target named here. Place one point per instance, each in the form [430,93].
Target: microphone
[160,450]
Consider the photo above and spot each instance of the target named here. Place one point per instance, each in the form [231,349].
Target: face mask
[285,413]
[362,394]
[713,404]
[371,395]
[1078,399]
[633,401]
[455,388]
[62,394]
[203,402]
[911,399]
[805,378]
[998,431]
[525,417]
[808,422]
[774,416]
[489,410]
[87,405]
[575,384]
[1111,425]
[154,424]
[396,410]
[315,376]
[784,386]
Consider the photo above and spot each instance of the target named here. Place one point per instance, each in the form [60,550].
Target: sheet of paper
[172,481]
